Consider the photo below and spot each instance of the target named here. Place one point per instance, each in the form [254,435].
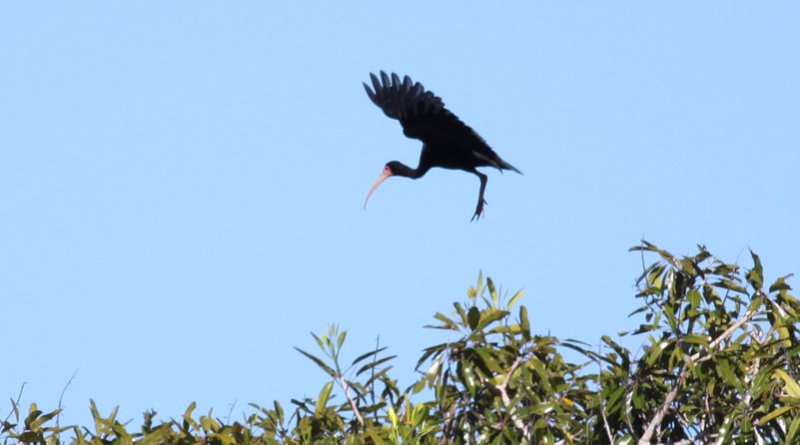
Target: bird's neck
[408,172]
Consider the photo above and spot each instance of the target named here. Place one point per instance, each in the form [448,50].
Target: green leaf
[793,430]
[328,370]
[474,317]
[790,384]
[187,415]
[40,420]
[419,386]
[33,413]
[392,416]
[509,329]
[622,352]
[374,436]
[492,291]
[524,323]
[669,311]
[368,354]
[514,299]
[486,356]
[467,376]
[15,409]
[773,414]
[278,411]
[437,349]
[322,399]
[489,316]
[637,311]
[320,342]
[31,437]
[379,375]
[694,298]
[756,275]
[473,292]
[371,365]
[780,284]
[654,353]
[730,285]
[541,408]
[448,323]
[461,313]
[696,339]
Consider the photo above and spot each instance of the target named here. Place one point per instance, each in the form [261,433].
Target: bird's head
[391,168]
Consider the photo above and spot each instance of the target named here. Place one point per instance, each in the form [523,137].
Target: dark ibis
[446,141]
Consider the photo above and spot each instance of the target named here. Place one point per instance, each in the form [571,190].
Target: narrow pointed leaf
[328,370]
[374,364]
[791,385]
[514,299]
[474,317]
[322,399]
[368,354]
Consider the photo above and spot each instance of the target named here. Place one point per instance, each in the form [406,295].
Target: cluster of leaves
[720,360]
[719,363]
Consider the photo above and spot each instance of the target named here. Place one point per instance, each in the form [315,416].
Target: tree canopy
[718,363]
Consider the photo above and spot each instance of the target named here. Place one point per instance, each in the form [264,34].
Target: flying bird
[446,141]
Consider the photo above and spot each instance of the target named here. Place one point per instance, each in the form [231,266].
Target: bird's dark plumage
[447,142]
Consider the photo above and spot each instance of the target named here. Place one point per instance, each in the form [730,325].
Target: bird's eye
[386,169]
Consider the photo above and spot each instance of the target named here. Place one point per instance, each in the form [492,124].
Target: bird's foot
[479,210]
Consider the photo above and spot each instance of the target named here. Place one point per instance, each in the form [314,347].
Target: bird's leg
[481,201]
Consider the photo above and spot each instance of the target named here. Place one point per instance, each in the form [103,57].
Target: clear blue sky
[181,183]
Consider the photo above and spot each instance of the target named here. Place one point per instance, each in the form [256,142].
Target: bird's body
[446,141]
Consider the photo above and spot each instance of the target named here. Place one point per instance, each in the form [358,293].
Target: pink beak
[385,174]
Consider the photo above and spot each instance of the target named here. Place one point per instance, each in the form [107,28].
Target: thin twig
[61,397]
[230,411]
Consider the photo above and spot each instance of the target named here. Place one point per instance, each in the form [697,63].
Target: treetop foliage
[718,363]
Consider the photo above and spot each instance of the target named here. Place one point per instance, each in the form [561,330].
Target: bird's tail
[503,165]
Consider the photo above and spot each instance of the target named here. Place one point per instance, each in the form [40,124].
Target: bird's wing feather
[401,99]
[421,113]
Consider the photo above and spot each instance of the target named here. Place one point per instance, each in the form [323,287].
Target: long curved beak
[381,178]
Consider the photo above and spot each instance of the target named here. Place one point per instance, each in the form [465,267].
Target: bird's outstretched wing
[421,113]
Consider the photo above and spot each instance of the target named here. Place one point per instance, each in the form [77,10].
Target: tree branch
[353,405]
[656,421]
[507,401]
